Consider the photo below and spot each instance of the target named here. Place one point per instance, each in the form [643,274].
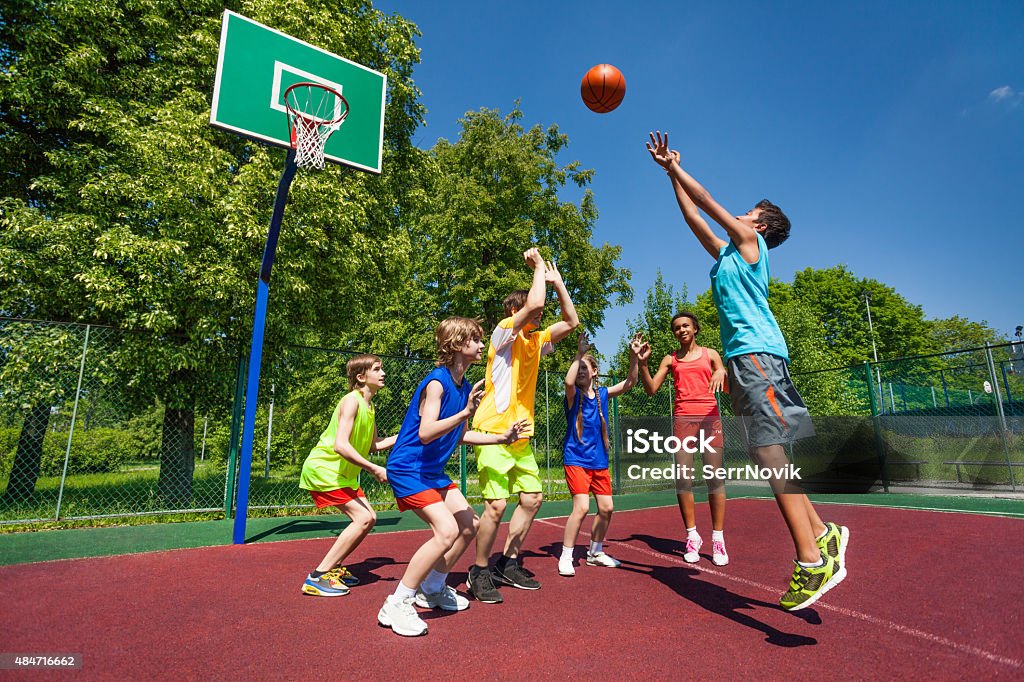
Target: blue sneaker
[324,586]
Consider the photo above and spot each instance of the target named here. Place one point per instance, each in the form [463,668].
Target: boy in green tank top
[331,473]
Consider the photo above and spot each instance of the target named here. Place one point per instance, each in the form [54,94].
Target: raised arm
[652,384]
[344,448]
[635,345]
[582,346]
[535,297]
[570,320]
[742,235]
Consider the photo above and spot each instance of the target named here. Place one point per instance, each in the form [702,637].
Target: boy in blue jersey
[434,425]
[763,394]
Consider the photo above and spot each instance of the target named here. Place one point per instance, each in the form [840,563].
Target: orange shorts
[686,427]
[424,498]
[585,481]
[335,498]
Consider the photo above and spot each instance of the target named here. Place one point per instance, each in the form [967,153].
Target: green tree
[123,205]
[483,200]
[957,332]
[836,297]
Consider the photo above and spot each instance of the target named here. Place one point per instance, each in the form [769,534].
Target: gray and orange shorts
[766,401]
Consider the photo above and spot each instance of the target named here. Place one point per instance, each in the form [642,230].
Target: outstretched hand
[515,431]
[658,147]
[475,396]
[551,274]
[533,258]
[636,344]
[583,345]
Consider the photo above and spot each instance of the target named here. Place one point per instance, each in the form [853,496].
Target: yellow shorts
[507,469]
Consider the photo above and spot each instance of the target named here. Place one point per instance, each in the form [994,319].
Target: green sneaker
[834,542]
[808,584]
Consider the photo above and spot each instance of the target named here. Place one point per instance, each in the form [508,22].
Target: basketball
[603,88]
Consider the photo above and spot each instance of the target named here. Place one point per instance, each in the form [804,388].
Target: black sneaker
[513,574]
[481,586]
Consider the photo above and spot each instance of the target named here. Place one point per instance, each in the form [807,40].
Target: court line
[874,620]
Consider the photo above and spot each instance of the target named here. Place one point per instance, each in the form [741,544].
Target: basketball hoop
[315,111]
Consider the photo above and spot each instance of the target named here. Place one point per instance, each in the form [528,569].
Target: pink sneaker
[719,555]
[693,546]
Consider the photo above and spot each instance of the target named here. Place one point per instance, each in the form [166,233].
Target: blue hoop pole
[256,351]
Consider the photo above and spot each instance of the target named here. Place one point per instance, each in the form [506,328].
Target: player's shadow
[365,569]
[686,582]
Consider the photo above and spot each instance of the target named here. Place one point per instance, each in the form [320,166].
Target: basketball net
[314,113]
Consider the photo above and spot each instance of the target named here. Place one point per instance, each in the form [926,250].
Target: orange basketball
[603,88]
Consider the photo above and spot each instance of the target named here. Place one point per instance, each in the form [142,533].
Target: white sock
[692,534]
[718,535]
[814,564]
[823,534]
[403,592]
[596,547]
[567,552]
[434,582]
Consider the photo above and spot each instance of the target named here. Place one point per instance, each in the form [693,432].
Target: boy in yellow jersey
[331,473]
[513,361]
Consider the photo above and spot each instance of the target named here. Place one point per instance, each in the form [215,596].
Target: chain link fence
[91,426]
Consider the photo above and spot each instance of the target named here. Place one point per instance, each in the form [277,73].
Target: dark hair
[360,364]
[517,299]
[775,221]
[696,322]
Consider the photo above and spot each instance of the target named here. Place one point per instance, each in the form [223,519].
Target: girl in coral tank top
[698,374]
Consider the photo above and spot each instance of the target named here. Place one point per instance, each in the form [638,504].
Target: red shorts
[335,498]
[424,498]
[584,481]
[686,427]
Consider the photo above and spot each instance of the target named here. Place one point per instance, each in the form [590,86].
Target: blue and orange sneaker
[324,586]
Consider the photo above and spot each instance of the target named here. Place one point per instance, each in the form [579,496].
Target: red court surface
[929,596]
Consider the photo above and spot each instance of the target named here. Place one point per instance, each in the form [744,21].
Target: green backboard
[256,65]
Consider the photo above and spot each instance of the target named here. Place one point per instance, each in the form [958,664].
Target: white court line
[874,620]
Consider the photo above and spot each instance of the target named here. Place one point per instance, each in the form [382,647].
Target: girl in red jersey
[698,374]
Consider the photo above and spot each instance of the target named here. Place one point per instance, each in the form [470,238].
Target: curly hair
[452,334]
[775,221]
[693,318]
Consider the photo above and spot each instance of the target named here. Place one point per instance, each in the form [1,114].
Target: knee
[530,501]
[495,509]
[447,533]
[605,509]
[365,522]
[580,507]
[468,526]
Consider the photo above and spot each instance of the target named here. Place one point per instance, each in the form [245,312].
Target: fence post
[270,432]
[615,443]
[1000,414]
[1009,396]
[462,469]
[876,422]
[236,428]
[71,431]
[945,390]
[547,430]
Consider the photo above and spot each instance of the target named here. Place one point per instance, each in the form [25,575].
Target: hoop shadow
[333,527]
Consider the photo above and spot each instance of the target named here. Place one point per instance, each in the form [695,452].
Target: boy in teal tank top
[763,394]
[331,473]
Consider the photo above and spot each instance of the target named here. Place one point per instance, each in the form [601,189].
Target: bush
[97,450]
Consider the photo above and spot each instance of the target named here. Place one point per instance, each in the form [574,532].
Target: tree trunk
[25,470]
[177,443]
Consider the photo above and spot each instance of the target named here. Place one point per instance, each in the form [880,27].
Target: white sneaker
[692,548]
[401,617]
[602,559]
[719,555]
[566,568]
[446,600]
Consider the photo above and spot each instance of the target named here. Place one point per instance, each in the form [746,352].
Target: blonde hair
[360,364]
[451,335]
[592,361]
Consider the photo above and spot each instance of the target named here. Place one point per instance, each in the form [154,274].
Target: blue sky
[892,134]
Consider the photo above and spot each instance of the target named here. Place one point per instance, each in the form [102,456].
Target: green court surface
[50,545]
